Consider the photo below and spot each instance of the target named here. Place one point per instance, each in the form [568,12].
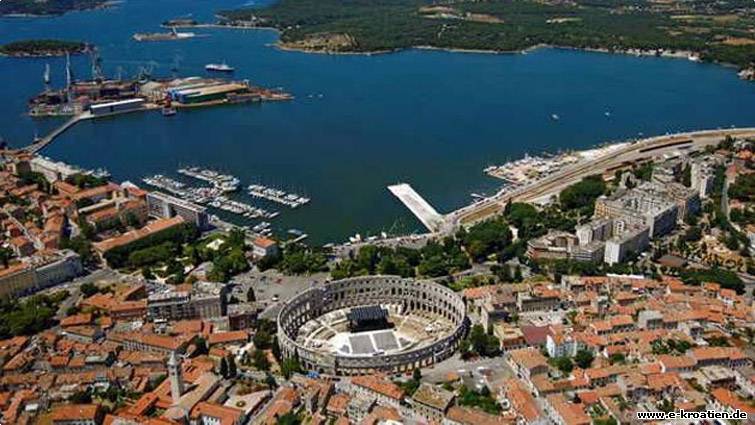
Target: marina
[278,196]
[214,197]
[223,182]
[535,167]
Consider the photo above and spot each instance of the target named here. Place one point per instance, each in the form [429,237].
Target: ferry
[219,67]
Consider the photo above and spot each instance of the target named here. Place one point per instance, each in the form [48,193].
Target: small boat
[219,67]
[555,117]
[168,111]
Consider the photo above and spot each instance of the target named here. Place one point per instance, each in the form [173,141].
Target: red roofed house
[264,247]
[77,414]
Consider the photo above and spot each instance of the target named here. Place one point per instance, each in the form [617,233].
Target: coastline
[692,56]
[41,55]
[104,5]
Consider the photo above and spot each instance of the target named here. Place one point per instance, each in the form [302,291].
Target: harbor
[278,196]
[221,194]
[445,131]
[531,168]
[215,197]
[222,182]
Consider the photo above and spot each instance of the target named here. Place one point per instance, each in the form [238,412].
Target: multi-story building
[702,175]
[596,230]
[52,170]
[264,247]
[39,273]
[161,205]
[431,402]
[637,208]
[633,240]
[555,245]
[687,199]
[205,300]
[538,299]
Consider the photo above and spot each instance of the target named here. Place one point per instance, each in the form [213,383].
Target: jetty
[418,206]
[42,143]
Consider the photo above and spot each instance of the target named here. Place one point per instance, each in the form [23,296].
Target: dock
[44,141]
[418,206]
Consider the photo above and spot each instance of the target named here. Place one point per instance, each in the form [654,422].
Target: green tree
[482,343]
[260,360]
[564,364]
[6,254]
[584,358]
[289,367]
[224,367]
[89,289]
[289,418]
[232,370]
[201,347]
[582,195]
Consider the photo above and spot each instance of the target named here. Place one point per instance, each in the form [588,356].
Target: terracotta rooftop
[379,385]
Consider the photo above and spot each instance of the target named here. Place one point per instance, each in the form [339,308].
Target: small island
[48,7]
[719,32]
[44,48]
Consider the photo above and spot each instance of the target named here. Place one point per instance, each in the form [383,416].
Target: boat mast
[96,66]
[46,77]
[69,77]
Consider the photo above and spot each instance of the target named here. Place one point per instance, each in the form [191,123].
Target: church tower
[176,378]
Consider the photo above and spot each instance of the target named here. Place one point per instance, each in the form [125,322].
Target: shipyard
[105,96]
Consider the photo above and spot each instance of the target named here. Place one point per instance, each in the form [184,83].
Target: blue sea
[433,119]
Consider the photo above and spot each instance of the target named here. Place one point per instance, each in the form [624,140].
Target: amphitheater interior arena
[367,324]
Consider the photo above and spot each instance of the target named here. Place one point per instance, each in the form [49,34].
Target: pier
[418,206]
[42,143]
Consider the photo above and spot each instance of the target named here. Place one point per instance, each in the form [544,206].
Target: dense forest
[719,31]
[49,7]
[43,48]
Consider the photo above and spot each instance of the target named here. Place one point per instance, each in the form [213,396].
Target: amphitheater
[428,321]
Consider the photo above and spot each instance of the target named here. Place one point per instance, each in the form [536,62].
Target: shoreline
[659,53]
[42,55]
[103,6]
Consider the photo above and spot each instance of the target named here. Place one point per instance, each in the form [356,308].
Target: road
[552,184]
[73,288]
